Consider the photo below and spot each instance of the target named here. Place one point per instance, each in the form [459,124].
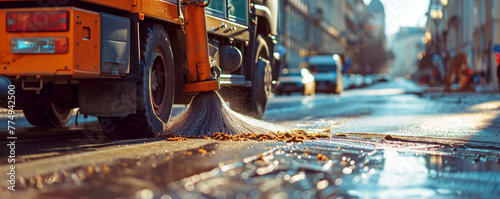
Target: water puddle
[372,170]
[326,168]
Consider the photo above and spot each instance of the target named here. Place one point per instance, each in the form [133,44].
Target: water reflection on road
[450,149]
[352,169]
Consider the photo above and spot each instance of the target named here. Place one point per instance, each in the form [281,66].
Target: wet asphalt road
[441,145]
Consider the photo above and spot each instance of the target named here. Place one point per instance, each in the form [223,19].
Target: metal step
[234,80]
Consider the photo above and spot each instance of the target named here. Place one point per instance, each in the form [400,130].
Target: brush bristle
[208,114]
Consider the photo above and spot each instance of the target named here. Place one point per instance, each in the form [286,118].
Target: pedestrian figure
[498,76]
[459,68]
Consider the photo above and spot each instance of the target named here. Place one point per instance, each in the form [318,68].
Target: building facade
[486,22]
[319,27]
[373,56]
[470,27]
[408,48]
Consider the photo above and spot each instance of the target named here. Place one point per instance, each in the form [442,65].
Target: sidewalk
[490,88]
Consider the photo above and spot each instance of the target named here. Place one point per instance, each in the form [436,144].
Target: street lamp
[436,15]
[444,2]
[445,36]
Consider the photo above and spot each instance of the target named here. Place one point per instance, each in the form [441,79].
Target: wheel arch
[270,14]
[177,42]
[264,28]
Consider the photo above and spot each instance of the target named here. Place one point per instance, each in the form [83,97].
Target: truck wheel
[254,102]
[155,94]
[47,115]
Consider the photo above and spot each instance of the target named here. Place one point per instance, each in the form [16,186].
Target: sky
[403,13]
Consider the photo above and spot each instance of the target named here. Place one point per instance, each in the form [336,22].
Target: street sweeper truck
[128,61]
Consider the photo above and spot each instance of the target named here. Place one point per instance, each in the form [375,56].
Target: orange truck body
[134,58]
[82,59]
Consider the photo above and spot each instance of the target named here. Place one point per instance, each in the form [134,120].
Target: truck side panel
[115,45]
[120,4]
[87,56]
[161,10]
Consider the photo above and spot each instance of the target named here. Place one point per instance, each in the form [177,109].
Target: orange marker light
[61,45]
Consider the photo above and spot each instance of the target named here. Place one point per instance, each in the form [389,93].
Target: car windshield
[292,74]
[322,68]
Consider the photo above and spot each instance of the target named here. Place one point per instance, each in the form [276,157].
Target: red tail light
[497,58]
[38,21]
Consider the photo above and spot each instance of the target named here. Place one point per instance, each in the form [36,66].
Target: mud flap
[107,98]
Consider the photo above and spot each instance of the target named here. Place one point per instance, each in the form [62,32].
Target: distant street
[389,139]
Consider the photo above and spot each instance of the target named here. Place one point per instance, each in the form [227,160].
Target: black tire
[253,102]
[155,93]
[47,115]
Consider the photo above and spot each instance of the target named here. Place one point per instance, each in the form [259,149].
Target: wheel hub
[157,83]
[268,78]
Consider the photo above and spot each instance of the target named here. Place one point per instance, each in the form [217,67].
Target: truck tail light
[30,45]
[38,21]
